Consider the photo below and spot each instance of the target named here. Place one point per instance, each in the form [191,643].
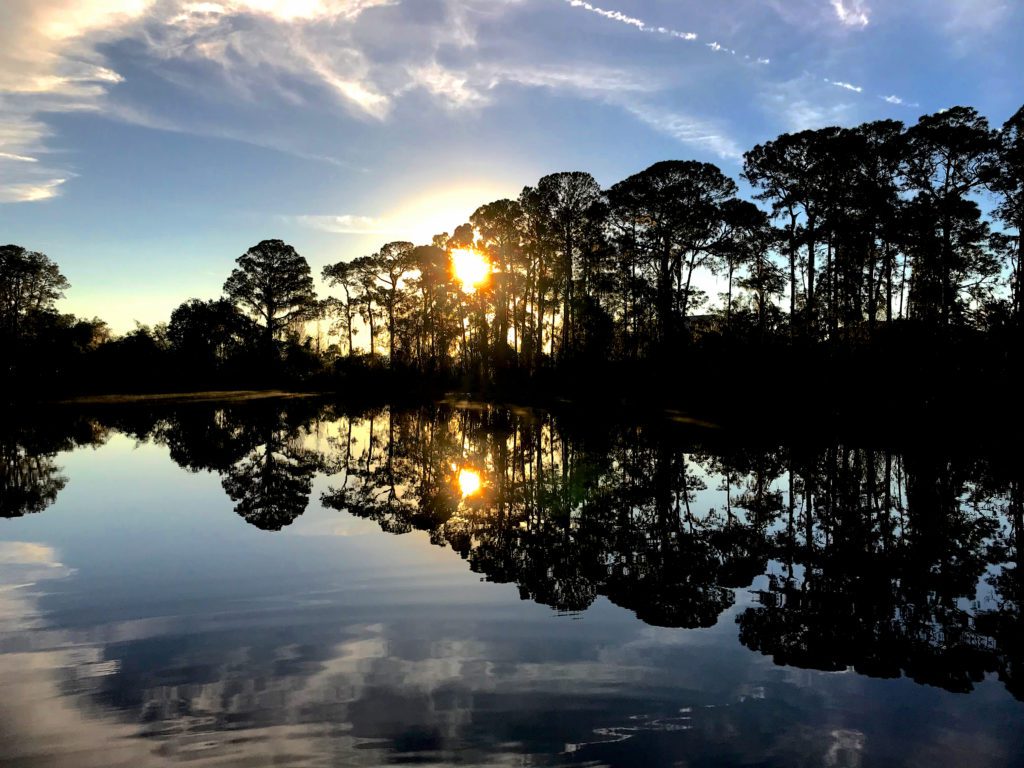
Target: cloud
[292,50]
[348,59]
[133,115]
[687,129]
[453,88]
[633,21]
[629,90]
[49,61]
[973,16]
[898,101]
[45,66]
[845,86]
[594,81]
[345,224]
[27,192]
[19,158]
[25,172]
[613,15]
[41,48]
[803,103]
[852,13]
[281,42]
[643,26]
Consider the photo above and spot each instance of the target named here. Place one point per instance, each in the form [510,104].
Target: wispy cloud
[973,16]
[18,158]
[49,61]
[803,103]
[29,192]
[644,26]
[845,85]
[135,116]
[687,129]
[354,62]
[453,88]
[286,43]
[593,81]
[632,21]
[898,101]
[26,174]
[852,13]
[614,15]
[345,224]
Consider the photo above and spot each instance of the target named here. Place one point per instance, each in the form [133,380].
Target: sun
[470,268]
[469,482]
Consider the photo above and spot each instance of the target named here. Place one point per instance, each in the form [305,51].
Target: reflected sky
[158,611]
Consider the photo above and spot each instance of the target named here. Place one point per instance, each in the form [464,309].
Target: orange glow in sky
[470,268]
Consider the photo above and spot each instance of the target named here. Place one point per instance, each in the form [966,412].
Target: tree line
[877,234]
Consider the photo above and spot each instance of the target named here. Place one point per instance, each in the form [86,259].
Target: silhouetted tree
[1008,182]
[946,158]
[344,275]
[678,223]
[394,263]
[568,200]
[273,283]
[205,334]
[499,226]
[30,283]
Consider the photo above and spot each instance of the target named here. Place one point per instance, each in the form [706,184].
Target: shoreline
[199,396]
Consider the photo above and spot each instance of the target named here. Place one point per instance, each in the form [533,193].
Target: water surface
[291,583]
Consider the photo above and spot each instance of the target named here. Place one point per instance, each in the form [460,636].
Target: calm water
[293,584]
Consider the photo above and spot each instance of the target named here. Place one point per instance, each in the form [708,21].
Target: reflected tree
[889,563]
[29,482]
[271,483]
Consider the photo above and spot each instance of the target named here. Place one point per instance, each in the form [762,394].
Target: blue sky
[145,144]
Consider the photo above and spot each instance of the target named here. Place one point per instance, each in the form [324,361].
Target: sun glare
[469,482]
[470,268]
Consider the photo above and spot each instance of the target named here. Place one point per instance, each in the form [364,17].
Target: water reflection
[28,482]
[835,557]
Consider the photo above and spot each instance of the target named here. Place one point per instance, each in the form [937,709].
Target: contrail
[643,26]
[632,21]
[715,46]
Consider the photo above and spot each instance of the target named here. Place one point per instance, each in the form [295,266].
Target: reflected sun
[469,482]
[470,268]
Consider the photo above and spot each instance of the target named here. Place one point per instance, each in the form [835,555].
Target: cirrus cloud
[852,13]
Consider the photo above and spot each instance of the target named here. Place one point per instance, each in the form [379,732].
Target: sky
[146,144]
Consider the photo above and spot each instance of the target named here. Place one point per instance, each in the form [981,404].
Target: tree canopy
[274,285]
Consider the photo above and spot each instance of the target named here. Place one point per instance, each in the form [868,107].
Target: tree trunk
[566,298]
[811,258]
[792,272]
[728,301]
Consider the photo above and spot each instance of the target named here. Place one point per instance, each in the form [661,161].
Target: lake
[298,583]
